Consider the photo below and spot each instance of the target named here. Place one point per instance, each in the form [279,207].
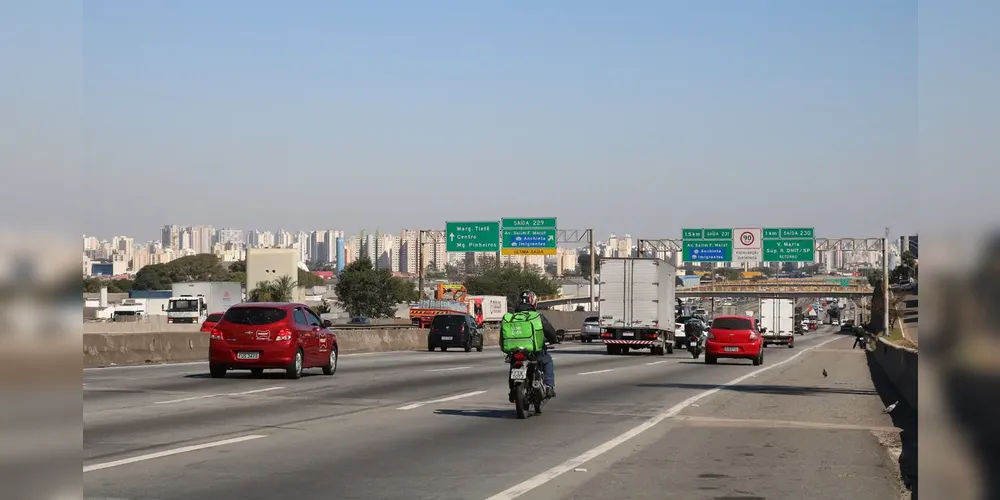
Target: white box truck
[636,305]
[487,309]
[192,302]
[777,321]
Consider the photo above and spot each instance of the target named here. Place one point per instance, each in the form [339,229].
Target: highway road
[418,425]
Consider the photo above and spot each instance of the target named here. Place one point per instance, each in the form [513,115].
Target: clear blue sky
[637,116]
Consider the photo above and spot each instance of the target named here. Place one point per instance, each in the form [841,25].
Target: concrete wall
[900,366]
[101,349]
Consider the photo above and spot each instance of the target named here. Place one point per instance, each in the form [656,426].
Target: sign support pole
[420,263]
[590,237]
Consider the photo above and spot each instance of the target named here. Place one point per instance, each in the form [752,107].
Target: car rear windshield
[732,324]
[214,318]
[592,319]
[254,315]
[447,320]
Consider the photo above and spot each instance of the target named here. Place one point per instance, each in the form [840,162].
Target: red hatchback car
[210,322]
[734,337]
[257,336]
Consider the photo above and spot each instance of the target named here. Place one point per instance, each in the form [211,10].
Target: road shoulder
[786,433]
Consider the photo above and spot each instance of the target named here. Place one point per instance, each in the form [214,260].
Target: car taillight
[216,334]
[652,336]
[519,356]
[711,336]
[462,330]
[677,326]
[753,335]
[605,335]
[283,334]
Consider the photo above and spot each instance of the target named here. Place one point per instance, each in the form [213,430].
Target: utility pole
[885,281]
[590,237]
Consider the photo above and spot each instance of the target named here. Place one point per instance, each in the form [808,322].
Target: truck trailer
[193,302]
[636,305]
[777,319]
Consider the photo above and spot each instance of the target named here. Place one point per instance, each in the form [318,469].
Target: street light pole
[885,281]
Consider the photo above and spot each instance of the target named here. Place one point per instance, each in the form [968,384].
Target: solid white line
[658,362]
[167,453]
[598,371]
[449,369]
[539,480]
[442,400]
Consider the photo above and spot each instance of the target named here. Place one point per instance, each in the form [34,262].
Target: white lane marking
[167,453]
[442,400]
[598,371]
[658,362]
[539,480]
[255,391]
[206,396]
[449,369]
[193,398]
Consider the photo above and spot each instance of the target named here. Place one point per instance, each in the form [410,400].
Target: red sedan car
[257,336]
[734,337]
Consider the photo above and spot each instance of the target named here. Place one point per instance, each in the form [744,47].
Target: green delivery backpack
[522,330]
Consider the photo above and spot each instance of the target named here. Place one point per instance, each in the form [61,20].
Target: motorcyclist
[528,301]
[694,330]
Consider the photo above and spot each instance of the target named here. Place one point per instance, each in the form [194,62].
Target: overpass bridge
[792,288]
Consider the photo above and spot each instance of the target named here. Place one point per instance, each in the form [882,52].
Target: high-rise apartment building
[408,252]
[388,253]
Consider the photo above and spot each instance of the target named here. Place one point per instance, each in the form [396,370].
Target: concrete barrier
[567,320]
[899,364]
[104,349]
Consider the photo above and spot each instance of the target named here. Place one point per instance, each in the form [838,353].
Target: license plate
[732,349]
[445,338]
[248,355]
[628,334]
[519,373]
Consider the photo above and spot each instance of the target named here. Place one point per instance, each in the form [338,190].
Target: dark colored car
[257,336]
[734,337]
[210,322]
[454,330]
[359,321]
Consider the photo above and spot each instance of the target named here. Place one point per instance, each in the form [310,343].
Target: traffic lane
[465,448]
[225,406]
[788,433]
[107,387]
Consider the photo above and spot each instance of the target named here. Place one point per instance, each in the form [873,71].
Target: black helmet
[527,298]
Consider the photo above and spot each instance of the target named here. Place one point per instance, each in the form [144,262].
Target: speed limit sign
[747,245]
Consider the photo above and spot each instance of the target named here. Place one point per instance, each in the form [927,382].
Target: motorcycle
[526,382]
[697,347]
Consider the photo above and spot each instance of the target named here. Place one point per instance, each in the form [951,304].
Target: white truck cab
[186,309]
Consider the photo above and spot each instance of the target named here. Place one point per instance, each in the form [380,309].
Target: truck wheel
[710,360]
[623,351]
[670,348]
[612,350]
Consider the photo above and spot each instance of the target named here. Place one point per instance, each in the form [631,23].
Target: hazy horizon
[638,119]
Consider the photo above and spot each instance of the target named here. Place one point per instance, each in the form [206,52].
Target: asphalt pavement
[419,425]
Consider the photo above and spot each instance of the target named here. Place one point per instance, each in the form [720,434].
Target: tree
[509,280]
[308,279]
[788,267]
[365,291]
[583,261]
[729,273]
[201,267]
[404,290]
[239,266]
[322,308]
[279,290]
[94,285]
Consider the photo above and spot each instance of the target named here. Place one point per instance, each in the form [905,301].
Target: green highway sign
[789,244]
[529,223]
[472,236]
[528,236]
[707,245]
[789,232]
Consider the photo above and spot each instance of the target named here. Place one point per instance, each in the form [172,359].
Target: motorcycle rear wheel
[520,401]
